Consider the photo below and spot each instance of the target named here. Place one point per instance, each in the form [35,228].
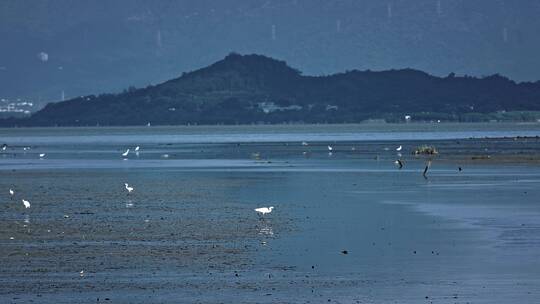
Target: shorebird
[128,188]
[137,148]
[330,148]
[399,163]
[26,204]
[4,147]
[42,155]
[399,148]
[428,164]
[125,153]
[264,210]
[11,192]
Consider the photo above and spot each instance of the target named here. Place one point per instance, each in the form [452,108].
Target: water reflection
[266,230]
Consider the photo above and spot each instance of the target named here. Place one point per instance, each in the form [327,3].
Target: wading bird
[125,153]
[264,210]
[399,148]
[26,204]
[399,163]
[11,192]
[137,148]
[428,164]
[128,188]
[42,155]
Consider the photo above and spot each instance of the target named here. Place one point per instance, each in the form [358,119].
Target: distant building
[269,107]
[18,106]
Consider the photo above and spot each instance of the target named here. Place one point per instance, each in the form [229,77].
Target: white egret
[11,192]
[137,148]
[399,148]
[128,188]
[26,204]
[125,153]
[330,148]
[42,155]
[264,210]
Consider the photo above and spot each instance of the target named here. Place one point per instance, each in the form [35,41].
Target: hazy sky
[84,47]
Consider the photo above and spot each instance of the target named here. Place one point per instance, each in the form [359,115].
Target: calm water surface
[188,233]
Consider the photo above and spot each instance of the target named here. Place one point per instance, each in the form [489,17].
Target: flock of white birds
[261,211]
[129,189]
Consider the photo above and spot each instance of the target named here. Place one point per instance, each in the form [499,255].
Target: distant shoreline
[370,124]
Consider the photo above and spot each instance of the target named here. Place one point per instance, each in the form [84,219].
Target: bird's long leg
[426,169]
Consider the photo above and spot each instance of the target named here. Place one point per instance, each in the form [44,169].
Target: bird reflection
[266,230]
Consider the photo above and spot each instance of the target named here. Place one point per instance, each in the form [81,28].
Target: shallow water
[188,233]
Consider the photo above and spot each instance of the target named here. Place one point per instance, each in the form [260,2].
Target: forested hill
[243,89]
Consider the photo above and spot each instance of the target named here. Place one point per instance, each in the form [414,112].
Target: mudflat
[348,226]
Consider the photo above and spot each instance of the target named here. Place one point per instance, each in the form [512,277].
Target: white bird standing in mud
[42,155]
[330,148]
[128,188]
[26,204]
[399,148]
[137,148]
[264,210]
[125,154]
[11,193]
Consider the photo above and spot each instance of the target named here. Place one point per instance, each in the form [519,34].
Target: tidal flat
[348,226]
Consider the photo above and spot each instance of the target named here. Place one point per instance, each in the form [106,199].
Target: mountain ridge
[244,89]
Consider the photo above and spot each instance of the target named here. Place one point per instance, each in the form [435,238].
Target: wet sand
[188,233]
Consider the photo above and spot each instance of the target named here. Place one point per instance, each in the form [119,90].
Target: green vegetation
[256,89]
[426,150]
